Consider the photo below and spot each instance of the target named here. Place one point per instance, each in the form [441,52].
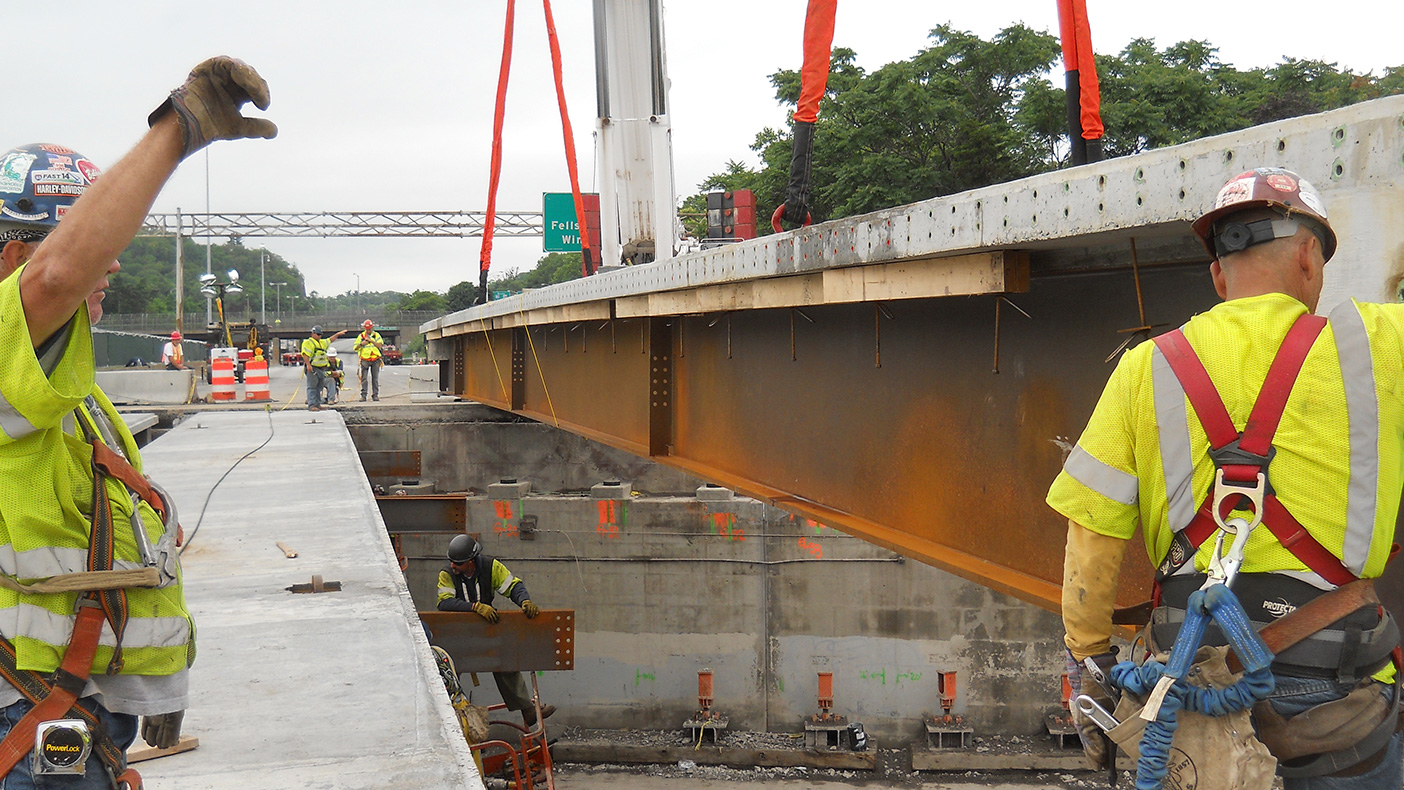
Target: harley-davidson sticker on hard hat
[13,169]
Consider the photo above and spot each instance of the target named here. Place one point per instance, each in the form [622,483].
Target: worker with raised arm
[1313,476]
[315,364]
[370,346]
[468,584]
[92,609]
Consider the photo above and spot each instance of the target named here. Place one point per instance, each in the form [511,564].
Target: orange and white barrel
[222,379]
[256,380]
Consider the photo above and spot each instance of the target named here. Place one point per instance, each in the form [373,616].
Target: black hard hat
[464,549]
[316,330]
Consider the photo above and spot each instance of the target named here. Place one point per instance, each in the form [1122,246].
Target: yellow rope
[505,395]
[539,371]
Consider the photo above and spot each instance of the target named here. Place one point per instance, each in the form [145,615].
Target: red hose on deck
[485,256]
[587,265]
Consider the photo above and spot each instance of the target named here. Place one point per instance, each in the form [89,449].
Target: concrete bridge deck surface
[332,690]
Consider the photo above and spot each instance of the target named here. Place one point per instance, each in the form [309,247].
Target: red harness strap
[1254,443]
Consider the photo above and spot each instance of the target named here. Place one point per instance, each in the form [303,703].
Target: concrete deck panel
[1354,156]
[332,690]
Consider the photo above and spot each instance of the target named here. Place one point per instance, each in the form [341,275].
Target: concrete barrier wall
[665,586]
[141,385]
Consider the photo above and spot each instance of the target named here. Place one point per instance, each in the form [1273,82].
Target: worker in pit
[335,376]
[1158,438]
[315,364]
[172,353]
[369,346]
[102,637]
[468,584]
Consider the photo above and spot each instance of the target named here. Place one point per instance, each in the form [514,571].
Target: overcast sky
[388,106]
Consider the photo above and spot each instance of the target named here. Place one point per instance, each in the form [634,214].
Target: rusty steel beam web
[513,644]
[919,446]
[397,464]
[424,512]
[346,224]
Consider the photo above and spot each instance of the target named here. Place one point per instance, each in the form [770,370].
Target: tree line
[966,112]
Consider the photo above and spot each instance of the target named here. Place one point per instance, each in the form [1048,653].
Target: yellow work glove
[486,612]
[530,609]
[207,105]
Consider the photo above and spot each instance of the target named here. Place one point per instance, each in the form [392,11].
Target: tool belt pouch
[1329,727]
[1209,752]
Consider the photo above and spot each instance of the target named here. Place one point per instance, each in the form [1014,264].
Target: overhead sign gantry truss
[915,376]
[343,224]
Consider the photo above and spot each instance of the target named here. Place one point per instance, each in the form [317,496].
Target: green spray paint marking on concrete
[780,683]
[881,675]
[639,674]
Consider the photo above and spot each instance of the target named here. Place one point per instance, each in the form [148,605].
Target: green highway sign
[560,231]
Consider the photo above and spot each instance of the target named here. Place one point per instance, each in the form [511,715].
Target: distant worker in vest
[1307,488]
[370,345]
[173,353]
[335,376]
[100,636]
[315,364]
[468,584]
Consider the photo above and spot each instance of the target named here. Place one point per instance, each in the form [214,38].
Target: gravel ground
[894,766]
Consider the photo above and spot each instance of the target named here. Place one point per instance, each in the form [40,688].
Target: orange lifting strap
[485,255]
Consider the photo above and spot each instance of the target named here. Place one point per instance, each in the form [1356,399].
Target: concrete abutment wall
[664,585]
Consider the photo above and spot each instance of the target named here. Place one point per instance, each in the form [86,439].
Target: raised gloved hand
[1095,744]
[530,609]
[207,105]
[162,731]
[486,612]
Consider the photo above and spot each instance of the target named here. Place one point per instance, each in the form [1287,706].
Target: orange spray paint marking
[505,523]
[813,548]
[611,517]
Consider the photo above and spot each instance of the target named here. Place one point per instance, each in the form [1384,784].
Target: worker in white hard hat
[1257,428]
[335,376]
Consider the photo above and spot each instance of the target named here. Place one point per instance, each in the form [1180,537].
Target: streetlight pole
[278,300]
[358,292]
[262,290]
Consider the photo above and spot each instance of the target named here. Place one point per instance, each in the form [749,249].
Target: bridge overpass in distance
[915,376]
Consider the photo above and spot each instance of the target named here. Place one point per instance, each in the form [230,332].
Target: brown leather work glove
[162,731]
[530,609]
[486,612]
[207,105]
[1095,743]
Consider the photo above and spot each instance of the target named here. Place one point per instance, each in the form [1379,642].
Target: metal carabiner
[1223,567]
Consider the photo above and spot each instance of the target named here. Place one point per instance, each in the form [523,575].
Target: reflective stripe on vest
[27,621]
[1362,408]
[1108,481]
[46,561]
[14,424]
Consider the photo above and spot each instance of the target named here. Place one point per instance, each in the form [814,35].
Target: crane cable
[489,221]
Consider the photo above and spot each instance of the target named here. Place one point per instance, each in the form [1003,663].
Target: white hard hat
[331,352]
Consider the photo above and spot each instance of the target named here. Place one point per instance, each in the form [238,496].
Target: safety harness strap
[1247,454]
[118,468]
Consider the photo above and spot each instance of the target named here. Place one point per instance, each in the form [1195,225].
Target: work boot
[375,398]
[529,714]
[363,399]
